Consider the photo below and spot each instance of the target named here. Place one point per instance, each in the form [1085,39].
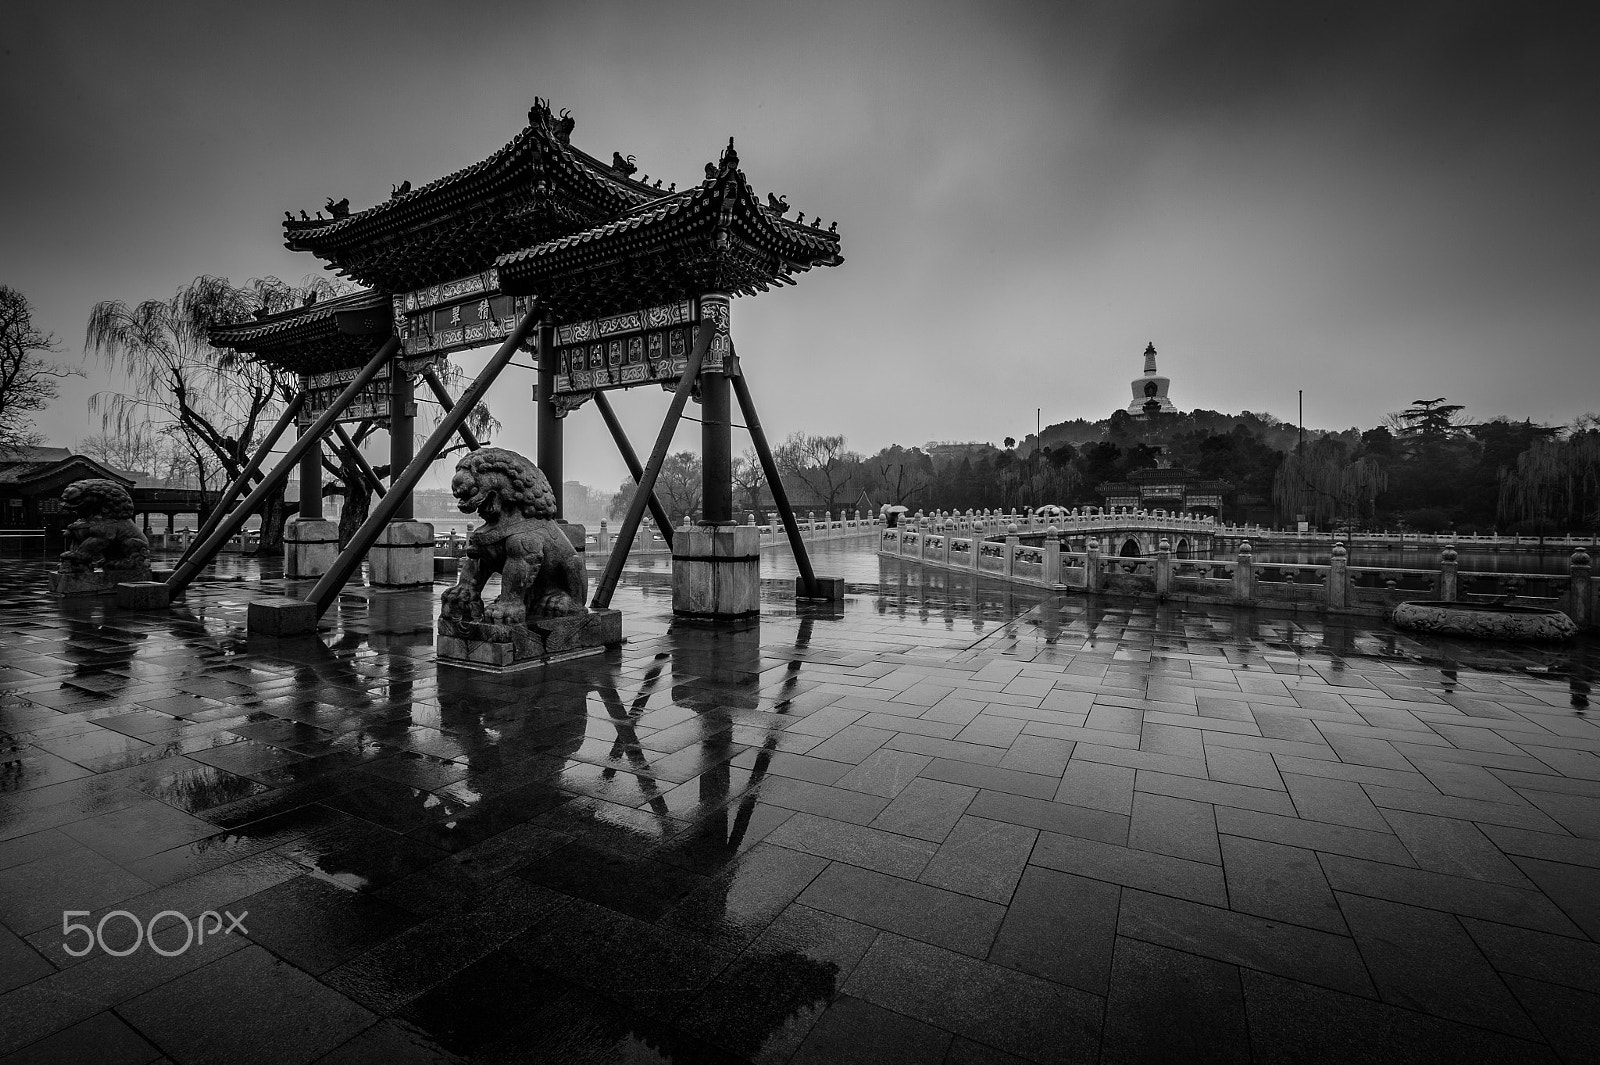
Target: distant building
[1151,386]
[1167,487]
[939,450]
[31,482]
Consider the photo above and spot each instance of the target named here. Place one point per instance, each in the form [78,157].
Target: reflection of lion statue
[103,532]
[540,573]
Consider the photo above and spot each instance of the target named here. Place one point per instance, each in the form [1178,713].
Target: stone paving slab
[955,822]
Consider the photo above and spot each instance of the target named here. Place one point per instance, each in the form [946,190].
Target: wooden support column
[402,557]
[310,481]
[550,443]
[310,542]
[402,423]
[716,429]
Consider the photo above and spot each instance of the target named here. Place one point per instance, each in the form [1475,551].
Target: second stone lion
[540,573]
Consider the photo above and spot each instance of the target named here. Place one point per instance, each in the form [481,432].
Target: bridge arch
[1130,548]
[1181,548]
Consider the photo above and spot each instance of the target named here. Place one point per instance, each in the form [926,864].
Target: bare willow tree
[28,382]
[217,402]
[822,463]
[749,479]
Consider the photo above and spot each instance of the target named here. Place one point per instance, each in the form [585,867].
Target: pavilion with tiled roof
[615,282]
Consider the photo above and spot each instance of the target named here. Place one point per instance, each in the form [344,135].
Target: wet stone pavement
[949,823]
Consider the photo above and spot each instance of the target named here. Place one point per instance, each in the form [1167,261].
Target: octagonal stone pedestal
[403,555]
[716,572]
[1485,621]
[310,546]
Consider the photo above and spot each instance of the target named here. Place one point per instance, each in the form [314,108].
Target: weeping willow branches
[1556,482]
[215,400]
[1322,485]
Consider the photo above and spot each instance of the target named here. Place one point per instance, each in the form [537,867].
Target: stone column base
[281,616]
[716,572]
[100,582]
[309,547]
[143,595]
[537,642]
[403,555]
[829,589]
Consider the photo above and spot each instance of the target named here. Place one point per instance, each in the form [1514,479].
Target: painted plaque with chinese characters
[468,312]
[632,348]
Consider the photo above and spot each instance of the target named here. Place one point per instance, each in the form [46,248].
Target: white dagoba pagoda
[1150,386]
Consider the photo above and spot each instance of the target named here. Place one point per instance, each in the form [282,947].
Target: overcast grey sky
[1370,202]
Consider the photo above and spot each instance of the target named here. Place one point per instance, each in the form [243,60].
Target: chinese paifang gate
[612,282]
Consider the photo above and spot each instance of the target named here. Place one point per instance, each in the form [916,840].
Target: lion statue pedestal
[103,535]
[539,616]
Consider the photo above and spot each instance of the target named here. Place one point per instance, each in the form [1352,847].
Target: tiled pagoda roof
[327,335]
[534,189]
[716,236]
[548,219]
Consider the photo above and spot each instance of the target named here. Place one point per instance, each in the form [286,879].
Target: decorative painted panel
[321,389]
[633,348]
[468,312]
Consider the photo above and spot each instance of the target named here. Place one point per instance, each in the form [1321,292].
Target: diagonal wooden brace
[202,556]
[657,511]
[647,483]
[221,510]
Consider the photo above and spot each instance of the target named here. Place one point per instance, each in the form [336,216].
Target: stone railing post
[1580,591]
[1338,590]
[1091,565]
[1010,561]
[1164,568]
[1052,561]
[602,542]
[946,541]
[1449,580]
[1244,574]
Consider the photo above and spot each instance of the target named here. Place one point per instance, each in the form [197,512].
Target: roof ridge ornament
[730,158]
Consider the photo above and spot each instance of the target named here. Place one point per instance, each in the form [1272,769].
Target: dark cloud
[1354,198]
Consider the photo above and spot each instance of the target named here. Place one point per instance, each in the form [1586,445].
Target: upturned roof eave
[463,189]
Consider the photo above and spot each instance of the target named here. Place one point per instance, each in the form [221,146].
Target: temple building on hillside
[1167,487]
[1150,387]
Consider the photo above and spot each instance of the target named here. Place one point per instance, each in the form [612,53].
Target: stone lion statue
[102,532]
[540,573]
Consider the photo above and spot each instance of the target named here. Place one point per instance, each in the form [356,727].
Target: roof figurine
[401,189]
[340,209]
[623,165]
[778,204]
